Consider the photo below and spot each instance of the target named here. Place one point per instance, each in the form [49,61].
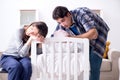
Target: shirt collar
[73,19]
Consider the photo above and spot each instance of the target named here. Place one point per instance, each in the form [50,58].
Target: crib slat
[68,60]
[76,61]
[86,57]
[33,61]
[44,76]
[60,62]
[52,60]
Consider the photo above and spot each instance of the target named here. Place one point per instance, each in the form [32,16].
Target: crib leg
[86,75]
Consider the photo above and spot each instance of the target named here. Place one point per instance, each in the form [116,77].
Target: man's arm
[90,34]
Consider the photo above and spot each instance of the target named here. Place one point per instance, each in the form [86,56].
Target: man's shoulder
[80,10]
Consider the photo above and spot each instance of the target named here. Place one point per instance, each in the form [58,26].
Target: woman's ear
[26,26]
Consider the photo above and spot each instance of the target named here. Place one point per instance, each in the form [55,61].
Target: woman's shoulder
[19,30]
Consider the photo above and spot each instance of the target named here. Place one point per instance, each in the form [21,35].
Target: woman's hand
[40,38]
[37,37]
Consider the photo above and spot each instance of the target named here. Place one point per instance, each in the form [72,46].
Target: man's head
[62,16]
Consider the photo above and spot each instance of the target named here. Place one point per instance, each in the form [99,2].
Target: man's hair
[59,12]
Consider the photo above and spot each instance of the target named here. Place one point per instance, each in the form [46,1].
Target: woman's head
[37,28]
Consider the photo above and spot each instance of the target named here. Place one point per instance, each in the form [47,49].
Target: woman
[15,60]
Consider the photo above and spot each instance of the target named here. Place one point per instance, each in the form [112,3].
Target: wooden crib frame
[85,51]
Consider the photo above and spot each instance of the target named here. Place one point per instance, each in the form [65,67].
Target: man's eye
[62,20]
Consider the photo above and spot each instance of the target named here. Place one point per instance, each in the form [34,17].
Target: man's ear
[68,14]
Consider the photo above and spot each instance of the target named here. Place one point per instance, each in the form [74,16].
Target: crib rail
[62,47]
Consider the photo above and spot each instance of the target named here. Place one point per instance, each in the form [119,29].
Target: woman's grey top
[16,46]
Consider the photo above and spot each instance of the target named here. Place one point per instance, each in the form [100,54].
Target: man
[83,23]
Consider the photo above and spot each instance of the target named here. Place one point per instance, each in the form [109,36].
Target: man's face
[66,21]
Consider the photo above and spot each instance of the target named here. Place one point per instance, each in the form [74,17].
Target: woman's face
[32,30]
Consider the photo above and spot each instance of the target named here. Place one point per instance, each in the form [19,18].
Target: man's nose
[62,24]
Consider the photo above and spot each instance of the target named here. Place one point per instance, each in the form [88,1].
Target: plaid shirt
[84,20]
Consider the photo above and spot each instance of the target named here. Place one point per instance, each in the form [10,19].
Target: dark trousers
[95,65]
[17,68]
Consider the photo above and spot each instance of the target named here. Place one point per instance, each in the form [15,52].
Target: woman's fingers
[40,38]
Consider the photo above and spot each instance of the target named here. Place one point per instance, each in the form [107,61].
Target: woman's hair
[41,26]
[59,12]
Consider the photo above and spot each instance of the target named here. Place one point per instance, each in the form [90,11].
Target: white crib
[62,59]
